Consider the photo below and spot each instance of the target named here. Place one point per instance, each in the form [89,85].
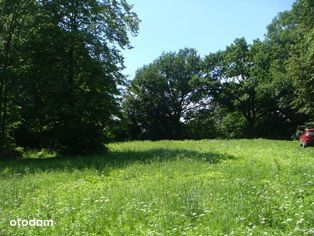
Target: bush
[232,125]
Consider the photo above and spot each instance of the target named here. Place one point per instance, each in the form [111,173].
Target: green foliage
[201,124]
[290,36]
[238,82]
[160,97]
[232,125]
[14,26]
[263,89]
[67,68]
[207,187]
[60,68]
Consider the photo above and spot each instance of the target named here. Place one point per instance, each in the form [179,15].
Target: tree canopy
[61,93]
[160,97]
[258,89]
[61,78]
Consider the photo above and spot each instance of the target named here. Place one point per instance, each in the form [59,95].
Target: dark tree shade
[69,68]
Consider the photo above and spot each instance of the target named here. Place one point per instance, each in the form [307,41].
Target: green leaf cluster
[60,64]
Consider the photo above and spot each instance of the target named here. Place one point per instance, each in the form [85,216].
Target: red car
[307,138]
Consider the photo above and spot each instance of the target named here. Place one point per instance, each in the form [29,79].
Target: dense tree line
[262,89]
[60,64]
[60,70]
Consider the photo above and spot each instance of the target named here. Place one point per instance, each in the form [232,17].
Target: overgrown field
[208,187]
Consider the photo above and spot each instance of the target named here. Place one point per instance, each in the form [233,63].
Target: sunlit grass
[208,187]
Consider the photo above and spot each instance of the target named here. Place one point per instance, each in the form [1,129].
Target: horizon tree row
[262,89]
[61,64]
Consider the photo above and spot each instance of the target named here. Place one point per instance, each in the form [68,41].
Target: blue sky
[206,25]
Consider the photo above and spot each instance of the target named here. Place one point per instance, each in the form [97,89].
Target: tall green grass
[208,187]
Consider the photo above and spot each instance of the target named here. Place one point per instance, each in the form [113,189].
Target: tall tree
[14,25]
[300,65]
[71,68]
[76,96]
[290,41]
[232,78]
[238,83]
[160,96]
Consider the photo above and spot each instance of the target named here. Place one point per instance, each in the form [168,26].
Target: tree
[237,82]
[85,68]
[71,68]
[231,78]
[14,25]
[160,96]
[300,66]
[289,40]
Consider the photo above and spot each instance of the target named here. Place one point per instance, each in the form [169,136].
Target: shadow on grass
[107,161]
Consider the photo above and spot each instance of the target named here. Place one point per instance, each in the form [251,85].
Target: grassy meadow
[207,187]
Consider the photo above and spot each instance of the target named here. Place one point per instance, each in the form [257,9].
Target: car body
[307,137]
